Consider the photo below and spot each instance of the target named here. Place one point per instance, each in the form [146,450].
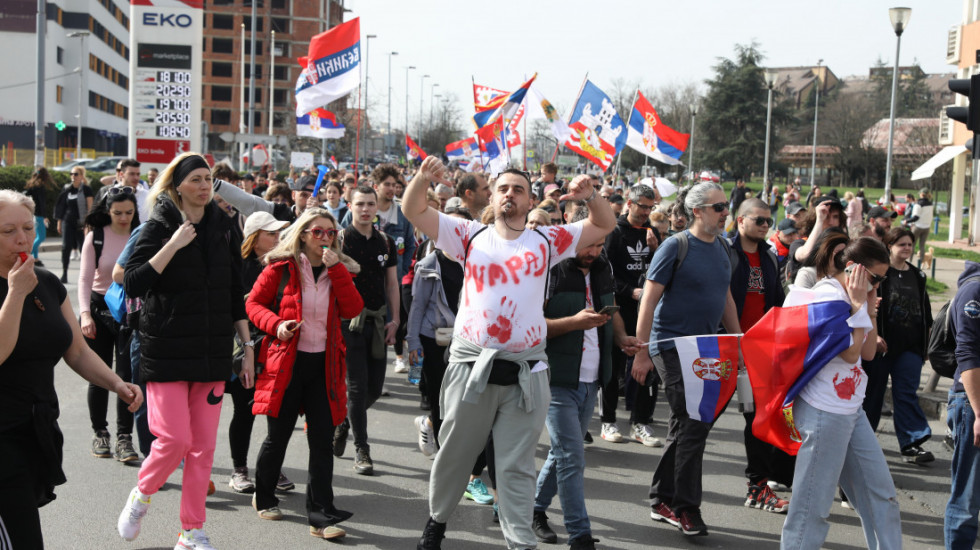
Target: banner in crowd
[331,68]
[484,97]
[412,150]
[539,108]
[505,107]
[783,351]
[598,132]
[319,123]
[333,162]
[648,135]
[464,148]
[709,365]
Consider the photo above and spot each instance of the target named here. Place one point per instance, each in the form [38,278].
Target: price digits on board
[177,77]
[168,104]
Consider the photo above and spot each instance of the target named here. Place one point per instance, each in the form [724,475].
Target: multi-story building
[962,50]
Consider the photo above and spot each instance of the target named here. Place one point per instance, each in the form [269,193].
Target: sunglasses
[124,190]
[319,233]
[760,221]
[718,206]
[877,279]
[76,174]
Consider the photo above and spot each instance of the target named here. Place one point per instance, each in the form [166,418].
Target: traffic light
[60,125]
[970,115]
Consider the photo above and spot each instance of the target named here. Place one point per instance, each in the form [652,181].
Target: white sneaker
[644,434]
[193,539]
[427,436]
[610,432]
[132,515]
[401,366]
[777,486]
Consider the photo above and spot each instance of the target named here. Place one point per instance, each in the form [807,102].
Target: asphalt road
[390,508]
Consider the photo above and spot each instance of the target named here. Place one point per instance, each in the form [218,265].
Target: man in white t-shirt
[497,378]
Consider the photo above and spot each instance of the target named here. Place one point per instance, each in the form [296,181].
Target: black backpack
[942,340]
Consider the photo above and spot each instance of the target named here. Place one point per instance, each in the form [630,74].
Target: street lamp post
[388,133]
[367,74]
[432,96]
[421,95]
[816,113]
[81,63]
[770,78]
[900,19]
[251,87]
[407,69]
[690,158]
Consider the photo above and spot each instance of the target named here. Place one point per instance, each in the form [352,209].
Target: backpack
[682,246]
[942,340]
[238,350]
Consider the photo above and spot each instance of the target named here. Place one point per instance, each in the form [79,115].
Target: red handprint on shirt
[501,329]
[846,387]
[533,337]
[561,239]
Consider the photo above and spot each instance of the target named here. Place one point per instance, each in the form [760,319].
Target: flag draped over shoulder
[331,69]
[412,150]
[709,365]
[598,132]
[653,138]
[319,123]
[783,352]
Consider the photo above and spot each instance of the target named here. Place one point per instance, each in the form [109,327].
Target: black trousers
[641,400]
[71,239]
[677,480]
[19,518]
[307,390]
[109,342]
[365,379]
[765,461]
[405,304]
[240,429]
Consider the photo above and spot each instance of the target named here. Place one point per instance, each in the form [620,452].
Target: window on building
[58,93]
[258,95]
[278,4]
[257,120]
[282,72]
[220,117]
[222,21]
[282,49]
[60,55]
[281,97]
[221,69]
[280,24]
[221,93]
[258,71]
[248,23]
[222,2]
[258,3]
[222,45]
[248,46]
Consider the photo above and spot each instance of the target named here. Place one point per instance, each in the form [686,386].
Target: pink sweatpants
[184,418]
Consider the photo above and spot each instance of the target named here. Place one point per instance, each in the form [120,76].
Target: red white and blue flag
[484,97]
[502,107]
[783,351]
[412,150]
[331,69]
[333,162]
[598,132]
[464,148]
[709,365]
[653,138]
[491,138]
[319,123]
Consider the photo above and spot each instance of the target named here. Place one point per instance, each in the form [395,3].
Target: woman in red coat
[304,363]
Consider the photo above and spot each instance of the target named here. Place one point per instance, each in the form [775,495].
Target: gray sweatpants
[464,432]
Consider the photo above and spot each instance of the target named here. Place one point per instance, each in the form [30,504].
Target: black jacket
[924,306]
[770,276]
[628,254]
[189,310]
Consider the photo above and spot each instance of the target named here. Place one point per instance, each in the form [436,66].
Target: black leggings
[240,429]
[19,464]
[111,340]
[405,305]
[71,239]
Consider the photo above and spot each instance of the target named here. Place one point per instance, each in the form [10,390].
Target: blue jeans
[40,233]
[911,425]
[564,469]
[839,449]
[960,522]
[140,417]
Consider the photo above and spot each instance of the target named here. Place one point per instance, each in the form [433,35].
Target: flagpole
[619,157]
[357,145]
[571,112]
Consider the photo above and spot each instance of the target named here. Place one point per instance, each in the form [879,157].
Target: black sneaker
[340,438]
[363,464]
[914,454]
[691,523]
[432,536]
[585,542]
[100,444]
[542,531]
[124,448]
[588,438]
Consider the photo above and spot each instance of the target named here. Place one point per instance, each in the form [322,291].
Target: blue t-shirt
[694,303]
[130,245]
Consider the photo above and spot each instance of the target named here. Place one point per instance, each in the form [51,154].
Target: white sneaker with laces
[610,432]
[644,434]
[401,366]
[193,539]
[427,436]
[132,515]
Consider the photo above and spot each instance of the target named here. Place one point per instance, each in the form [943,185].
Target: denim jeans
[839,448]
[564,469]
[140,418]
[960,523]
[41,233]
[911,426]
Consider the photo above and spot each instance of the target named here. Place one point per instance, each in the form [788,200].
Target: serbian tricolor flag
[333,162]
[783,352]
[709,365]
[412,150]
[464,148]
[504,107]
[331,69]
[491,139]
[653,138]
[598,132]
[319,123]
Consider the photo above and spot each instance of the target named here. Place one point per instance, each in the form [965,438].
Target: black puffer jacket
[189,310]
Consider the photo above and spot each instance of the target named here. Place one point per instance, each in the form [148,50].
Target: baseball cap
[794,208]
[548,189]
[262,221]
[303,183]
[787,227]
[879,212]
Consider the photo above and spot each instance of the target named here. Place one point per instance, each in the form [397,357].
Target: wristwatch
[250,344]
[592,196]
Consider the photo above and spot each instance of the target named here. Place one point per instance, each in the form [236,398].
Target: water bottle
[746,403]
[415,369]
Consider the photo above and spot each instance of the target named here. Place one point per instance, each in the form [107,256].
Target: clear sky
[653,41]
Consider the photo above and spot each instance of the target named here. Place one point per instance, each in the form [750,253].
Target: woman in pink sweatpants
[186,267]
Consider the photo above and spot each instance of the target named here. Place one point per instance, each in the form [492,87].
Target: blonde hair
[848,196]
[9,196]
[291,245]
[164,184]
[539,216]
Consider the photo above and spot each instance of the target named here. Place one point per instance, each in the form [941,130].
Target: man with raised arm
[497,378]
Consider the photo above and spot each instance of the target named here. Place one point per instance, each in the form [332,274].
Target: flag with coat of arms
[331,68]
[650,136]
[598,132]
[412,149]
[319,123]
[709,365]
[464,148]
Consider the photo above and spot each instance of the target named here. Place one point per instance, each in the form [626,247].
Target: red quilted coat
[279,356]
